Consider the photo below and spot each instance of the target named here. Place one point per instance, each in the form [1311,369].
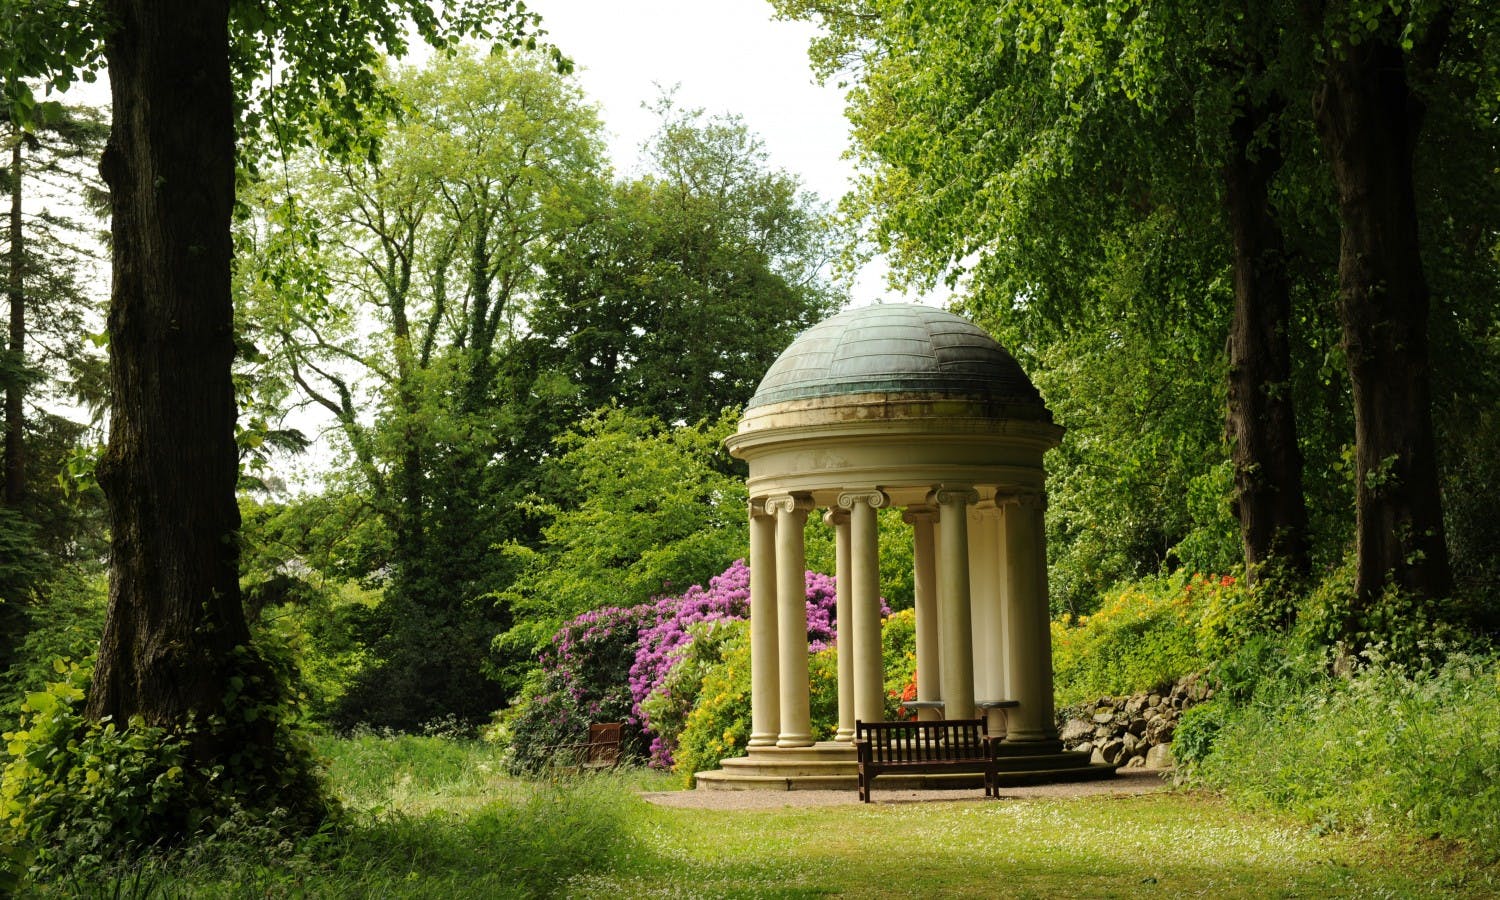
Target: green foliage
[1414,748]
[719,724]
[65,625]
[669,706]
[1199,726]
[1405,626]
[896,548]
[647,509]
[1146,635]
[77,794]
[685,282]
[898,650]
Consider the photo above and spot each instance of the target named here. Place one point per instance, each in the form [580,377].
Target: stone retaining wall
[1132,731]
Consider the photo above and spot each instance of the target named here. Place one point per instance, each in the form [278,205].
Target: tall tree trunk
[1368,121]
[175,632]
[1261,422]
[15,386]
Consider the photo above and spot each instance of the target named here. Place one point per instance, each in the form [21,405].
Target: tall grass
[1387,746]
[428,817]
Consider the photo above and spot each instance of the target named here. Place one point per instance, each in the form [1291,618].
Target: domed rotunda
[913,407]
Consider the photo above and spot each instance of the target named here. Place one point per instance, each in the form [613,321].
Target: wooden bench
[601,752]
[948,746]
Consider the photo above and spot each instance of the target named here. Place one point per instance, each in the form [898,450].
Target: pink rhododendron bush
[634,665]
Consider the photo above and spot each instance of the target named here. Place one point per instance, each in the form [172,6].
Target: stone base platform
[830,765]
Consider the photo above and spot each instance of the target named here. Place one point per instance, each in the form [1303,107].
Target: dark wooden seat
[949,746]
[604,745]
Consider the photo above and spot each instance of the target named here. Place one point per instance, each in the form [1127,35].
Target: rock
[1097,757]
[1085,747]
[1161,731]
[1128,744]
[1103,733]
[1135,762]
[1104,715]
[1160,757]
[1135,704]
[1076,730]
[1136,727]
[1112,752]
[1154,700]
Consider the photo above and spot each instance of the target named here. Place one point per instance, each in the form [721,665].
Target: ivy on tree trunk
[1368,120]
[1261,420]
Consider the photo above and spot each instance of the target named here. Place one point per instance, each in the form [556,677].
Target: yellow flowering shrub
[1145,635]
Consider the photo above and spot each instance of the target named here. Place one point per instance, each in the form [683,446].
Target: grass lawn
[434,818]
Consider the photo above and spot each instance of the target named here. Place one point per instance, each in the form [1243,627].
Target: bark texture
[15,386]
[175,617]
[1262,423]
[1368,121]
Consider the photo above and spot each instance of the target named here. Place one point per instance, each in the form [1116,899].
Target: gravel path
[1126,781]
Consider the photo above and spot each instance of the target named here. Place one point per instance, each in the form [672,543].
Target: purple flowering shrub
[582,679]
[664,648]
[605,665]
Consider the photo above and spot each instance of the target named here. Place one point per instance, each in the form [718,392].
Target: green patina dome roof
[896,348]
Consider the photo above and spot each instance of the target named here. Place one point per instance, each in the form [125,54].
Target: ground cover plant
[431,816]
[1392,746]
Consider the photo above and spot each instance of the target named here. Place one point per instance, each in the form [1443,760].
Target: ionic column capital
[758,507]
[1028,500]
[944,494]
[835,517]
[874,498]
[788,503]
[915,514]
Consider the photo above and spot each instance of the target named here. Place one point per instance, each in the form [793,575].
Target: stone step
[824,750]
[719,780]
[740,778]
[787,768]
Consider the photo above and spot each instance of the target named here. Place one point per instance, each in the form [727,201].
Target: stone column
[765,679]
[984,582]
[924,582]
[838,520]
[864,575]
[1028,640]
[953,600]
[791,618]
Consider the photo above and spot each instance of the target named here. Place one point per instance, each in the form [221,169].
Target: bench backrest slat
[919,742]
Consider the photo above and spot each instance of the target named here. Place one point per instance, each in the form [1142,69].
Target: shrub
[66,626]
[1417,748]
[1196,730]
[1146,635]
[77,793]
[719,724]
[667,708]
[666,640]
[899,656]
[583,677]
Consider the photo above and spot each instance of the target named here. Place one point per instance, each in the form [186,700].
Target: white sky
[725,56]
